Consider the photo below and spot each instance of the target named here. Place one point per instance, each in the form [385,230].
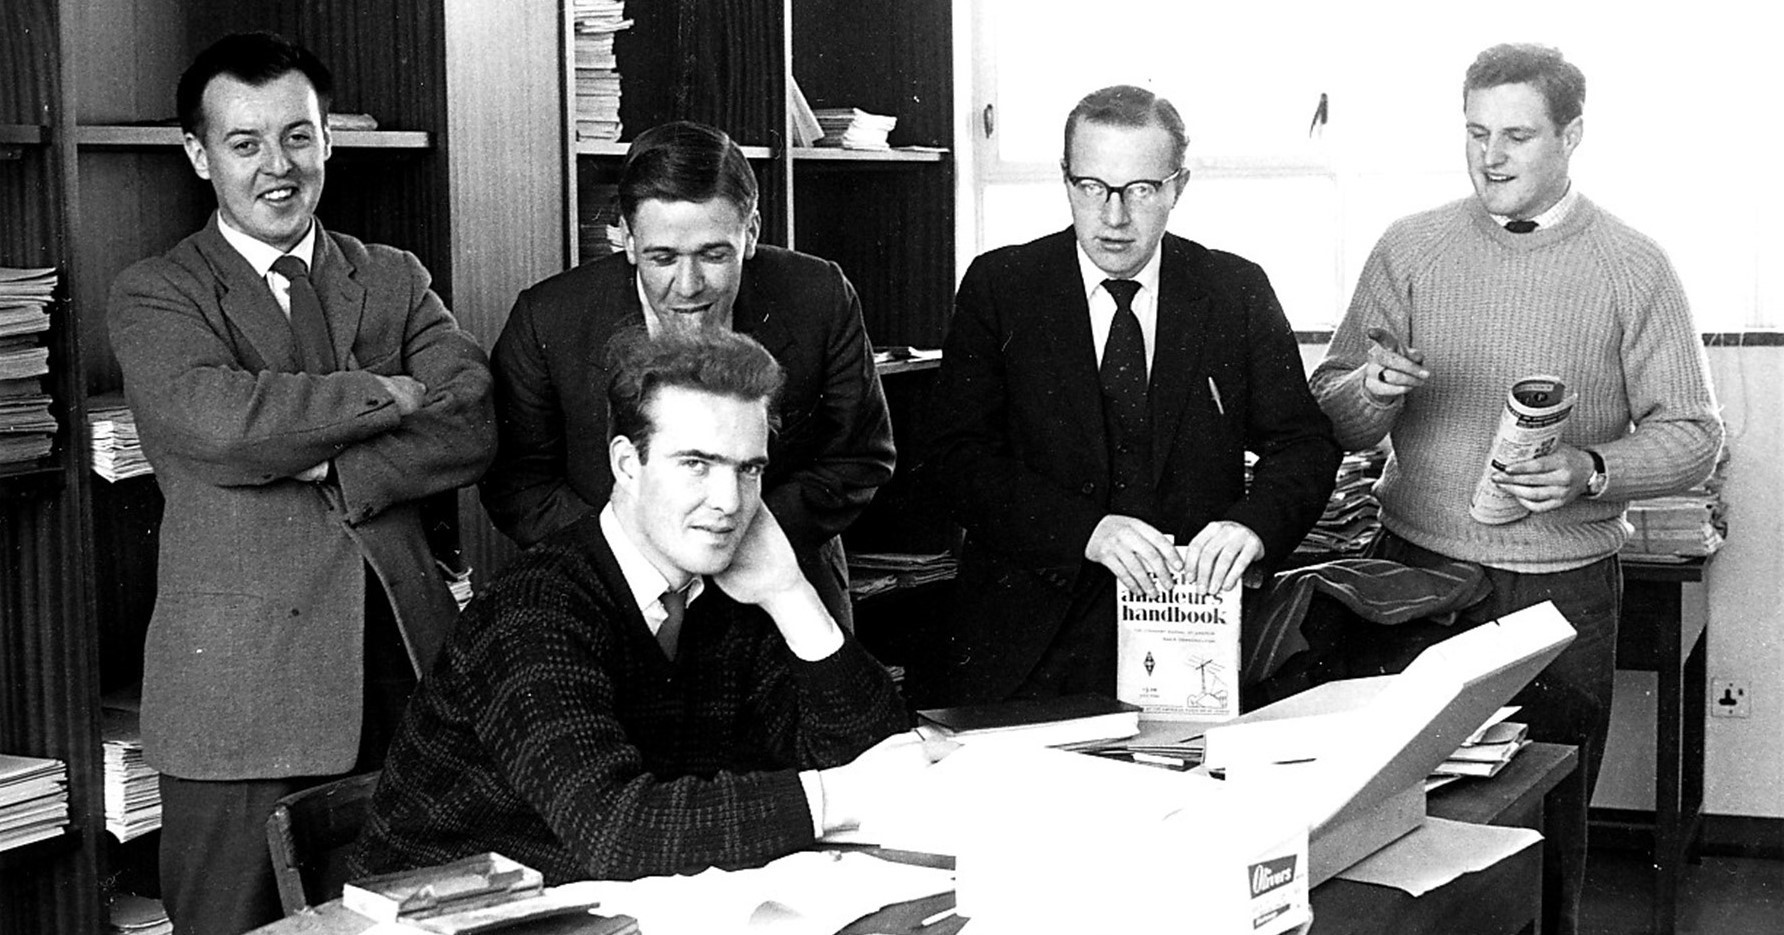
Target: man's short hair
[718,361]
[685,161]
[1559,81]
[1124,105]
[253,58]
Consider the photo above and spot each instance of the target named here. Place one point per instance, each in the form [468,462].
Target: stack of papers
[1680,527]
[1068,720]
[27,429]
[593,26]
[33,799]
[132,787]
[854,128]
[873,572]
[1485,752]
[137,915]
[117,451]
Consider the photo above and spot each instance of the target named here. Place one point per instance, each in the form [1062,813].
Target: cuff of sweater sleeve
[814,799]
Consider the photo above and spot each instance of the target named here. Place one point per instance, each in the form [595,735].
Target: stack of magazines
[594,24]
[132,787]
[27,429]
[1486,751]
[873,572]
[854,128]
[33,799]
[1352,515]
[1680,527]
[117,451]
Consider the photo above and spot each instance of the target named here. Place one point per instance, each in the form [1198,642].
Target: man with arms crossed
[655,687]
[1455,305]
[299,394]
[687,198]
[1099,390]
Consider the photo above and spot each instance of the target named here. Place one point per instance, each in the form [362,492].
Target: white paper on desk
[808,893]
[1437,852]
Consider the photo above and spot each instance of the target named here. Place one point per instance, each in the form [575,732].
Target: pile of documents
[27,429]
[1486,751]
[873,572]
[1352,515]
[1676,528]
[593,25]
[132,787]
[33,799]
[854,128]
[129,914]
[117,451]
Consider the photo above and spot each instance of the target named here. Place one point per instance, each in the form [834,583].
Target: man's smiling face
[263,152]
[689,256]
[1517,157]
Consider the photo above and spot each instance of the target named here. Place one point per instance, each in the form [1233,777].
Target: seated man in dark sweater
[655,687]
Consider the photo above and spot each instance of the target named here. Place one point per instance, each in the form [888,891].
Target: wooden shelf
[823,154]
[134,136]
[613,148]
[25,134]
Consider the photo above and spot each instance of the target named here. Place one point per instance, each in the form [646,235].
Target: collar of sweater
[1581,216]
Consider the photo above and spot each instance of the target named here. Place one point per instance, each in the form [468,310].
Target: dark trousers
[216,870]
[1081,658]
[1569,701]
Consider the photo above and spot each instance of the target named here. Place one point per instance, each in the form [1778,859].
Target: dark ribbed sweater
[554,731]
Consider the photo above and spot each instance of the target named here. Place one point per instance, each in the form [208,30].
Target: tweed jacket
[832,451]
[253,663]
[1018,455]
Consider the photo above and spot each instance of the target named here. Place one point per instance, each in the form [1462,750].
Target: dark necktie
[309,329]
[1124,358]
[675,606]
[1520,227]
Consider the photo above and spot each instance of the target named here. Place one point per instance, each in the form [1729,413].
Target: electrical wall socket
[1728,698]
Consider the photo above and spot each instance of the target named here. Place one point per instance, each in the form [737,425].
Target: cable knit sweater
[554,731]
[1590,300]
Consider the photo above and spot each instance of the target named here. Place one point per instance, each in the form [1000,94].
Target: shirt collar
[647,584]
[260,254]
[1093,275]
[1555,214]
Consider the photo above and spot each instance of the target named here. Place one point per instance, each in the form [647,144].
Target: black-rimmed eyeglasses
[1136,192]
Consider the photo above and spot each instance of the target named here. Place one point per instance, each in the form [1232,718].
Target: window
[1678,129]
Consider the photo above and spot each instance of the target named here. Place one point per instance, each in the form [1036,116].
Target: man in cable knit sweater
[1457,303]
[655,687]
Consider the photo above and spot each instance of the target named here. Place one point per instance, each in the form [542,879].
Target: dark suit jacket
[833,449]
[253,663]
[1017,448]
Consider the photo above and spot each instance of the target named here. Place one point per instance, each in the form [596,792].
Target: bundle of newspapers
[1680,527]
[854,128]
[33,799]
[117,450]
[27,428]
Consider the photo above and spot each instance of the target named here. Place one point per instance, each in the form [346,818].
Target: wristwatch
[1599,480]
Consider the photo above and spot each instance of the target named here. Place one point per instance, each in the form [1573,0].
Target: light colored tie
[675,605]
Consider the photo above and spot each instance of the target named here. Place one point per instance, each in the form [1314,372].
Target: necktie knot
[675,607]
[291,267]
[1520,227]
[1123,292]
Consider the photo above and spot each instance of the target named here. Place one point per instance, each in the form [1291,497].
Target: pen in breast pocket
[1214,391]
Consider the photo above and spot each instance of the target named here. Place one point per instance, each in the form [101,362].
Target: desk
[1662,631]
[1483,903]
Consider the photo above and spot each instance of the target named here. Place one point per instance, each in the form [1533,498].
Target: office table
[1662,630]
[1503,899]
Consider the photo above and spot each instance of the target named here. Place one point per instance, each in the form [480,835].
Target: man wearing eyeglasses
[1099,390]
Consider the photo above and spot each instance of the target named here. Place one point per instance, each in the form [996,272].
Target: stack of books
[873,572]
[594,24]
[132,787]
[130,914]
[111,427]
[854,128]
[1352,514]
[33,799]
[27,429]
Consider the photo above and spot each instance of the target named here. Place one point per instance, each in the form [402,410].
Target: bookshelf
[89,183]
